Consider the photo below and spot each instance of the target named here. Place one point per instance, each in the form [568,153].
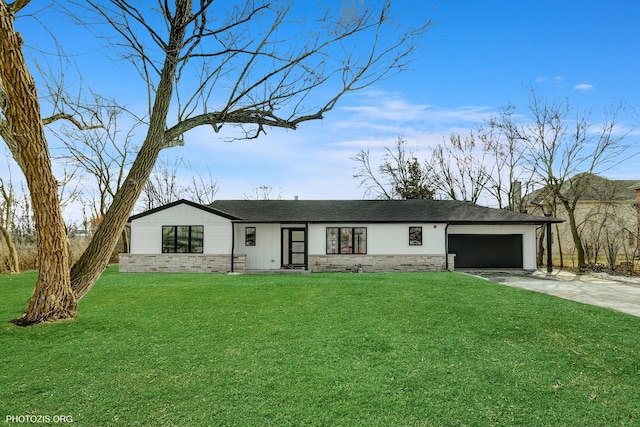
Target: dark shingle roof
[423,210]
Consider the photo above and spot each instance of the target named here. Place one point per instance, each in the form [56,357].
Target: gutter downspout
[446,247]
[306,245]
[233,244]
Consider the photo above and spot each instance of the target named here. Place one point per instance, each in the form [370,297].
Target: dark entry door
[294,247]
[486,250]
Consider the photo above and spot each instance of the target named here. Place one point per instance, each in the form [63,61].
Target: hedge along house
[330,235]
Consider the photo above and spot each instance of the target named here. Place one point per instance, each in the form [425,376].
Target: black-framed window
[346,240]
[415,236]
[182,239]
[249,236]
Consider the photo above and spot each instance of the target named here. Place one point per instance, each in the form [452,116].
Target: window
[182,239]
[249,236]
[346,240]
[415,236]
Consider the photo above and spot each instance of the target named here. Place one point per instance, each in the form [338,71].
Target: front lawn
[411,349]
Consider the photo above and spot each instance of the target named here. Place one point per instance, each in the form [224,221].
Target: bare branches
[460,168]
[104,151]
[369,178]
[264,192]
[564,150]
[259,61]
[70,118]
[405,177]
[166,186]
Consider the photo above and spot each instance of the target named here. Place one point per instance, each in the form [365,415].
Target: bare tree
[203,188]
[165,185]
[162,186]
[509,179]
[563,150]
[103,153]
[264,192]
[460,169]
[7,216]
[254,66]
[399,176]
[604,222]
[483,165]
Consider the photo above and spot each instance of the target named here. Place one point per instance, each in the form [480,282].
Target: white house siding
[388,249]
[146,232]
[146,243]
[265,255]
[528,232]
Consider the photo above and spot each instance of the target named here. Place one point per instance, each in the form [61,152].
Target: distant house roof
[371,211]
[598,189]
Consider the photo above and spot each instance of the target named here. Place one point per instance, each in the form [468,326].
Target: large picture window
[346,240]
[182,239]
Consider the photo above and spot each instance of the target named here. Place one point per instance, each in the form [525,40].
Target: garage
[486,250]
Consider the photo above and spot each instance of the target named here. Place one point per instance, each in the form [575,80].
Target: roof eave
[183,202]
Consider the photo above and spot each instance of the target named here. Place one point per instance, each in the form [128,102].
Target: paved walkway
[616,294]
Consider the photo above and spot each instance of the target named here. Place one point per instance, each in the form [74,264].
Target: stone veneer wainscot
[380,263]
[180,263]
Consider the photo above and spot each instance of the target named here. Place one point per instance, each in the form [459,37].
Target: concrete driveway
[621,294]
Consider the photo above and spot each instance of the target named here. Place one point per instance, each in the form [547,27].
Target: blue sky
[477,57]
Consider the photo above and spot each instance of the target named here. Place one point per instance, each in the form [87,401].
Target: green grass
[412,349]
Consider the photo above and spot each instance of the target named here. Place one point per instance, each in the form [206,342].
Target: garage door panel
[486,250]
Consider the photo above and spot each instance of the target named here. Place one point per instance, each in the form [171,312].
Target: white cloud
[398,110]
[583,87]
[390,109]
[551,80]
[316,160]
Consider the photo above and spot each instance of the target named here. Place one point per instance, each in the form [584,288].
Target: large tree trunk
[14,261]
[560,248]
[52,298]
[577,240]
[95,258]
[540,252]
[124,237]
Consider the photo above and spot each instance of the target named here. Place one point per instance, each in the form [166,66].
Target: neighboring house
[330,235]
[606,215]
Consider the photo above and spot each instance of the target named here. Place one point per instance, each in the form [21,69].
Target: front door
[294,248]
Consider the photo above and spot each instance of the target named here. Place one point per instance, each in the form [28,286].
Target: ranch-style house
[247,236]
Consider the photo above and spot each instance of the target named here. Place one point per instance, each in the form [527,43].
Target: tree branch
[71,119]
[17,5]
